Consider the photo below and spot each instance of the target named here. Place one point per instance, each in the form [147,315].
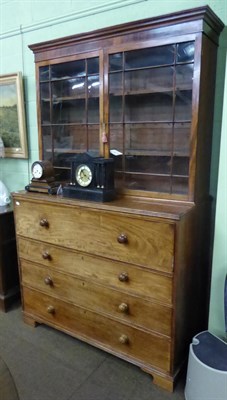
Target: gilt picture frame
[12,116]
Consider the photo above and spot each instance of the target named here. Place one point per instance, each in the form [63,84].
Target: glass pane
[64,144]
[180,185]
[149,57]
[152,96]
[68,140]
[116,144]
[148,139]
[61,159]
[148,164]
[70,102]
[47,143]
[156,80]
[77,87]
[181,166]
[116,62]
[116,113]
[68,111]
[79,138]
[149,107]
[183,106]
[181,143]
[93,65]
[116,138]
[45,91]
[93,110]
[185,52]
[184,77]
[68,70]
[44,74]
[147,182]
[45,103]
[45,112]
[73,88]
[116,84]
[63,138]
[93,138]
[93,86]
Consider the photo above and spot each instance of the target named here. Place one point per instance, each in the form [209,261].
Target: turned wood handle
[46,255]
[48,280]
[123,339]
[51,309]
[123,307]
[123,277]
[43,222]
[122,238]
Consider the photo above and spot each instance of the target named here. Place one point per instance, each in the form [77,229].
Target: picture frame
[12,116]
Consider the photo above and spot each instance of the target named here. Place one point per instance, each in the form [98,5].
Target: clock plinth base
[95,194]
[42,186]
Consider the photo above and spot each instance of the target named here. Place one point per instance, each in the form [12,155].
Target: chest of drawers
[118,276]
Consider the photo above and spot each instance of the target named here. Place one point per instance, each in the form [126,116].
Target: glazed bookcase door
[150,117]
[69,110]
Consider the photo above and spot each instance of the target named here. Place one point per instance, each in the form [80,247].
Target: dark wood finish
[161,151]
[199,19]
[9,279]
[129,276]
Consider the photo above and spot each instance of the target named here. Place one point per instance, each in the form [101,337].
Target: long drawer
[131,309]
[142,348]
[124,238]
[122,276]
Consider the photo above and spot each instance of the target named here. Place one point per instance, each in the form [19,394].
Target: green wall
[25,22]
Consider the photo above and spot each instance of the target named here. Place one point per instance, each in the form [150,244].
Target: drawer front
[128,239]
[89,295]
[148,350]
[124,277]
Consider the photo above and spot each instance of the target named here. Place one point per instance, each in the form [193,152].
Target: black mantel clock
[92,178]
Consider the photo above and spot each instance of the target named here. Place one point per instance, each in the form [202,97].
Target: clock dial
[83,175]
[43,178]
[37,171]
[42,169]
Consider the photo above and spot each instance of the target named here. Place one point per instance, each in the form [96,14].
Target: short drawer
[131,309]
[145,349]
[119,237]
[122,276]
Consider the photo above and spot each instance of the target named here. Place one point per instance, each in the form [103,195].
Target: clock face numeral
[37,171]
[83,175]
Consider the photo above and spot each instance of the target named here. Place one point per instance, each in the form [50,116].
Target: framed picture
[12,116]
